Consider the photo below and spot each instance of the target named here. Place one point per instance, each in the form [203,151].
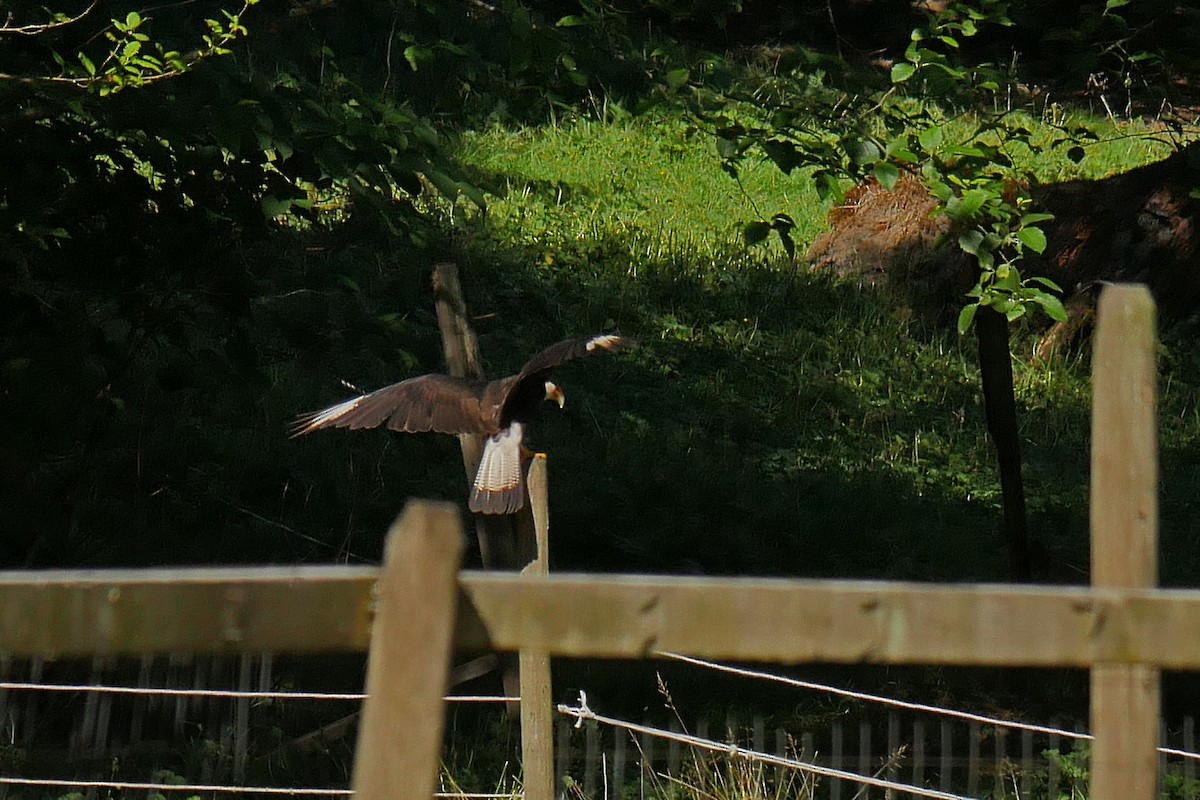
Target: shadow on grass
[773,422]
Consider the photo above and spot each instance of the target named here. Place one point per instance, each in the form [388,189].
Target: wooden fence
[419,607]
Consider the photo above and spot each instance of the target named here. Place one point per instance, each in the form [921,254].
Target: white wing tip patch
[605,342]
[326,416]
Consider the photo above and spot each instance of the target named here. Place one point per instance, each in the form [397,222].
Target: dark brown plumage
[499,409]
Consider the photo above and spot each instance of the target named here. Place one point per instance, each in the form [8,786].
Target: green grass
[775,420]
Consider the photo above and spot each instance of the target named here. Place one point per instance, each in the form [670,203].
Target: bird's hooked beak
[556,394]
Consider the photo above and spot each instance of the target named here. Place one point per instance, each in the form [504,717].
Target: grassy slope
[775,421]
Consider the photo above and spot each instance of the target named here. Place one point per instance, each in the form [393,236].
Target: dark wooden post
[1125,702]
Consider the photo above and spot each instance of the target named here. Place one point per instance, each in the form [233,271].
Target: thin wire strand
[584,712]
[174,787]
[183,787]
[227,693]
[946,712]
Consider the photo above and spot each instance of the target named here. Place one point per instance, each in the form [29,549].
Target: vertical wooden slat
[400,735]
[1001,752]
[562,750]
[30,716]
[893,747]
[537,739]
[1052,767]
[674,755]
[1125,700]
[104,715]
[864,758]
[946,762]
[241,728]
[591,759]
[918,756]
[973,759]
[648,746]
[836,759]
[1189,744]
[1026,762]
[618,761]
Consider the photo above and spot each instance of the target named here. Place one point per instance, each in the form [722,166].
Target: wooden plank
[400,736]
[537,712]
[322,609]
[1125,701]
[799,621]
[56,613]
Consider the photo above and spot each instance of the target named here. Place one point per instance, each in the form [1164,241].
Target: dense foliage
[211,212]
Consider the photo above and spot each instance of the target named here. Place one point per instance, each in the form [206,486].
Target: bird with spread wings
[501,410]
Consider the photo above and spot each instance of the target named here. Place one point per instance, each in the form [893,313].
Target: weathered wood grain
[53,613]
[1125,699]
[537,713]
[400,737]
[319,609]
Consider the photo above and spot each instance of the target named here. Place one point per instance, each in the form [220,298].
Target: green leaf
[930,138]
[784,154]
[887,174]
[755,232]
[1007,279]
[677,78]
[1051,305]
[969,241]
[966,317]
[273,206]
[1034,218]
[902,71]
[415,55]
[827,185]
[87,64]
[1049,284]
[864,151]
[132,20]
[572,21]
[728,148]
[1113,4]
[1033,238]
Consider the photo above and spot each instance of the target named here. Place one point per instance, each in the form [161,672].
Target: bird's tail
[499,486]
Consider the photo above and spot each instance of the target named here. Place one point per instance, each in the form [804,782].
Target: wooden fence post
[1125,702]
[400,736]
[537,723]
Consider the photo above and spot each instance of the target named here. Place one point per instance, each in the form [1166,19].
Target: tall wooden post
[1125,702]
[537,722]
[400,736]
[460,346]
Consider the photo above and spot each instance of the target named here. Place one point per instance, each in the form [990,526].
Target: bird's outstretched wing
[438,403]
[568,349]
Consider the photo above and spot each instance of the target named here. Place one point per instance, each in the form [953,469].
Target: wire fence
[580,712]
[91,721]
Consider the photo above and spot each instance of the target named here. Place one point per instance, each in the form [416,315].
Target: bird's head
[556,394]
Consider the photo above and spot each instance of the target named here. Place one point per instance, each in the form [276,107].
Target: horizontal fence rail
[320,609]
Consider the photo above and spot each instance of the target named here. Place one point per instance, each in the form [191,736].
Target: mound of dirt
[1137,226]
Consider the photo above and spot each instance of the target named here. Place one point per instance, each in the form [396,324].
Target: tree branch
[38,29]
